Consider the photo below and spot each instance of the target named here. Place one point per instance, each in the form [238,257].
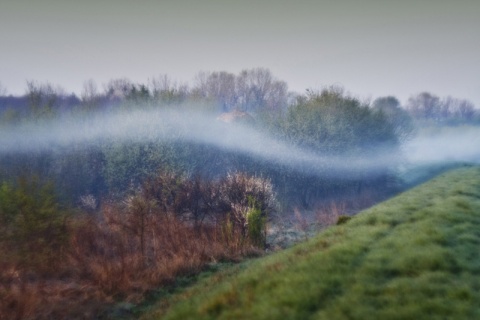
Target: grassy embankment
[412,257]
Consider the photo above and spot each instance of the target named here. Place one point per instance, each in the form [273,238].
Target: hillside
[412,257]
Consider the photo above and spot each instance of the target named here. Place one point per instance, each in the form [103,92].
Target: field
[412,257]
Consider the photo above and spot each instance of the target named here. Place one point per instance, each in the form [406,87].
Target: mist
[156,125]
[171,125]
[447,144]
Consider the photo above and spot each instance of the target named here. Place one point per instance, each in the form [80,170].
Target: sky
[372,48]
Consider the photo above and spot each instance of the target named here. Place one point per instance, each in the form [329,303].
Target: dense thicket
[335,126]
[57,266]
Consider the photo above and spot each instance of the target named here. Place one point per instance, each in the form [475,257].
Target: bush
[256,225]
[237,201]
[34,230]
[343,219]
[248,201]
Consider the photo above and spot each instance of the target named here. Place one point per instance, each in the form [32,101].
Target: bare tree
[118,89]
[457,108]
[219,87]
[165,89]
[465,110]
[398,118]
[43,98]
[90,90]
[257,89]
[251,90]
[424,106]
[90,95]
[162,83]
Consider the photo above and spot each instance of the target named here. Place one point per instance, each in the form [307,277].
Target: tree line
[326,122]
[251,90]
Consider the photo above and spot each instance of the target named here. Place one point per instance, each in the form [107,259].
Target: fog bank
[157,125]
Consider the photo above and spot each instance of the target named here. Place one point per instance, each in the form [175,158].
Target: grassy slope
[412,257]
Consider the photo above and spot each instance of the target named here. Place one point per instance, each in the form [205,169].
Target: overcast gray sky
[371,47]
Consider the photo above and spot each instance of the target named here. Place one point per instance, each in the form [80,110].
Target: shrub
[343,219]
[248,200]
[256,225]
[33,225]
[236,201]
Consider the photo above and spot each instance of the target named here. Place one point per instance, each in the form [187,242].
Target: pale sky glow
[372,48]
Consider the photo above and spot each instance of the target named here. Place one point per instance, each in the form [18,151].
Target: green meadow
[414,256]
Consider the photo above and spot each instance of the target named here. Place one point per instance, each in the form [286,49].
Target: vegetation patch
[55,265]
[412,257]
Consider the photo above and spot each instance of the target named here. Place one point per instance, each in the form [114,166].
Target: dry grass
[155,236]
[51,299]
[171,227]
[328,215]
[114,257]
[301,223]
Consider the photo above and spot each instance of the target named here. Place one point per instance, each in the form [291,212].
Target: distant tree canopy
[332,122]
[255,91]
[250,90]
[397,117]
[45,100]
[424,105]
[427,107]
[332,125]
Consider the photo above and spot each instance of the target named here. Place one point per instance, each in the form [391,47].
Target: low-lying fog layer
[444,145]
[458,144]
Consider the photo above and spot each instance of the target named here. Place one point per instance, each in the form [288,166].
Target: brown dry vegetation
[303,223]
[124,250]
[105,264]
[170,227]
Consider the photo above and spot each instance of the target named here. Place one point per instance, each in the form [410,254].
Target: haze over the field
[145,126]
[372,48]
[449,144]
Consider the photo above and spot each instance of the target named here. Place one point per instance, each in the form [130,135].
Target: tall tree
[257,89]
[219,87]
[165,90]
[398,118]
[331,121]
[90,96]
[252,90]
[424,106]
[118,89]
[457,109]
[43,98]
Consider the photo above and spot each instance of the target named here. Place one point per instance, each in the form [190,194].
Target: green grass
[415,256]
